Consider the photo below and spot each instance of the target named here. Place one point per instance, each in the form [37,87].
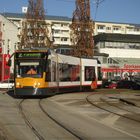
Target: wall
[9,37]
[123,53]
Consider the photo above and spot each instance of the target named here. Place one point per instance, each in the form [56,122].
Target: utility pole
[82,30]
[34,32]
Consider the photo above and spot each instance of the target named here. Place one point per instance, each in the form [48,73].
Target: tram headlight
[36,85]
[18,84]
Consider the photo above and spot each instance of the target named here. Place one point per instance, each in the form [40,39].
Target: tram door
[54,75]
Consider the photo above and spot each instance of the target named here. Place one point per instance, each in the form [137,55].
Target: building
[8,40]
[117,42]
[59,31]
[116,28]
[124,55]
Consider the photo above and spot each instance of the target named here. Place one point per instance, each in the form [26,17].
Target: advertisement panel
[5,69]
[0,67]
[126,70]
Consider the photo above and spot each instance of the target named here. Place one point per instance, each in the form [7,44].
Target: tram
[44,72]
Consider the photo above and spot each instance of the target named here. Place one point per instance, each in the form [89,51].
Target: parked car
[7,84]
[128,84]
[106,83]
[136,86]
[113,85]
[109,84]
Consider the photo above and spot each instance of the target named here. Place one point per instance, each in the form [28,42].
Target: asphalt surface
[74,113]
[92,122]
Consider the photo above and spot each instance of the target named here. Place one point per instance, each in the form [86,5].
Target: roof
[47,17]
[130,24]
[117,38]
[61,18]
[135,61]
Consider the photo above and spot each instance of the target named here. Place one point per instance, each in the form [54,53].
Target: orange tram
[44,72]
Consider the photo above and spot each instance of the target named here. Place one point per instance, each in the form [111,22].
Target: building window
[64,39]
[3,27]
[102,27]
[64,25]
[65,31]
[104,60]
[102,44]
[137,29]
[108,28]
[130,29]
[116,28]
[56,31]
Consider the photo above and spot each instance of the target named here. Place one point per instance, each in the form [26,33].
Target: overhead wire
[97,3]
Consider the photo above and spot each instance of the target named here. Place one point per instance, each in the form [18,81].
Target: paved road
[11,122]
[91,122]
[71,111]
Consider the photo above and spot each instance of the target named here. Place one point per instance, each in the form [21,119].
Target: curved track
[124,105]
[39,136]
[114,108]
[35,128]
[61,125]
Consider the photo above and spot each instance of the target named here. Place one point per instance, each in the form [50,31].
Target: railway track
[27,121]
[34,127]
[43,123]
[124,105]
[114,108]
[57,122]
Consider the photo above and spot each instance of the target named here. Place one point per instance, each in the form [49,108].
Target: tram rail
[115,111]
[34,129]
[123,104]
[57,122]
[27,121]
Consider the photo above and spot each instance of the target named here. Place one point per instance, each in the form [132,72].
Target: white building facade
[59,33]
[8,40]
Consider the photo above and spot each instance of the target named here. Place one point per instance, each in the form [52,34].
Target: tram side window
[60,75]
[89,73]
[99,73]
[48,71]
[65,72]
[75,72]
[53,71]
[69,72]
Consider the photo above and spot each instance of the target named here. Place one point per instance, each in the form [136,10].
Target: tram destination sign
[29,55]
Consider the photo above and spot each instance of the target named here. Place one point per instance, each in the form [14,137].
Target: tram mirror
[9,62]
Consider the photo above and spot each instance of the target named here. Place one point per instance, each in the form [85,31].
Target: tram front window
[28,69]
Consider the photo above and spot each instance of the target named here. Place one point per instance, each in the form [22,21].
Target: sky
[123,11]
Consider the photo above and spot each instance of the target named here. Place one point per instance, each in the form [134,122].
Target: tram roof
[34,49]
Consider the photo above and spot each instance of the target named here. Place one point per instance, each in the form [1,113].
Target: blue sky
[124,11]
